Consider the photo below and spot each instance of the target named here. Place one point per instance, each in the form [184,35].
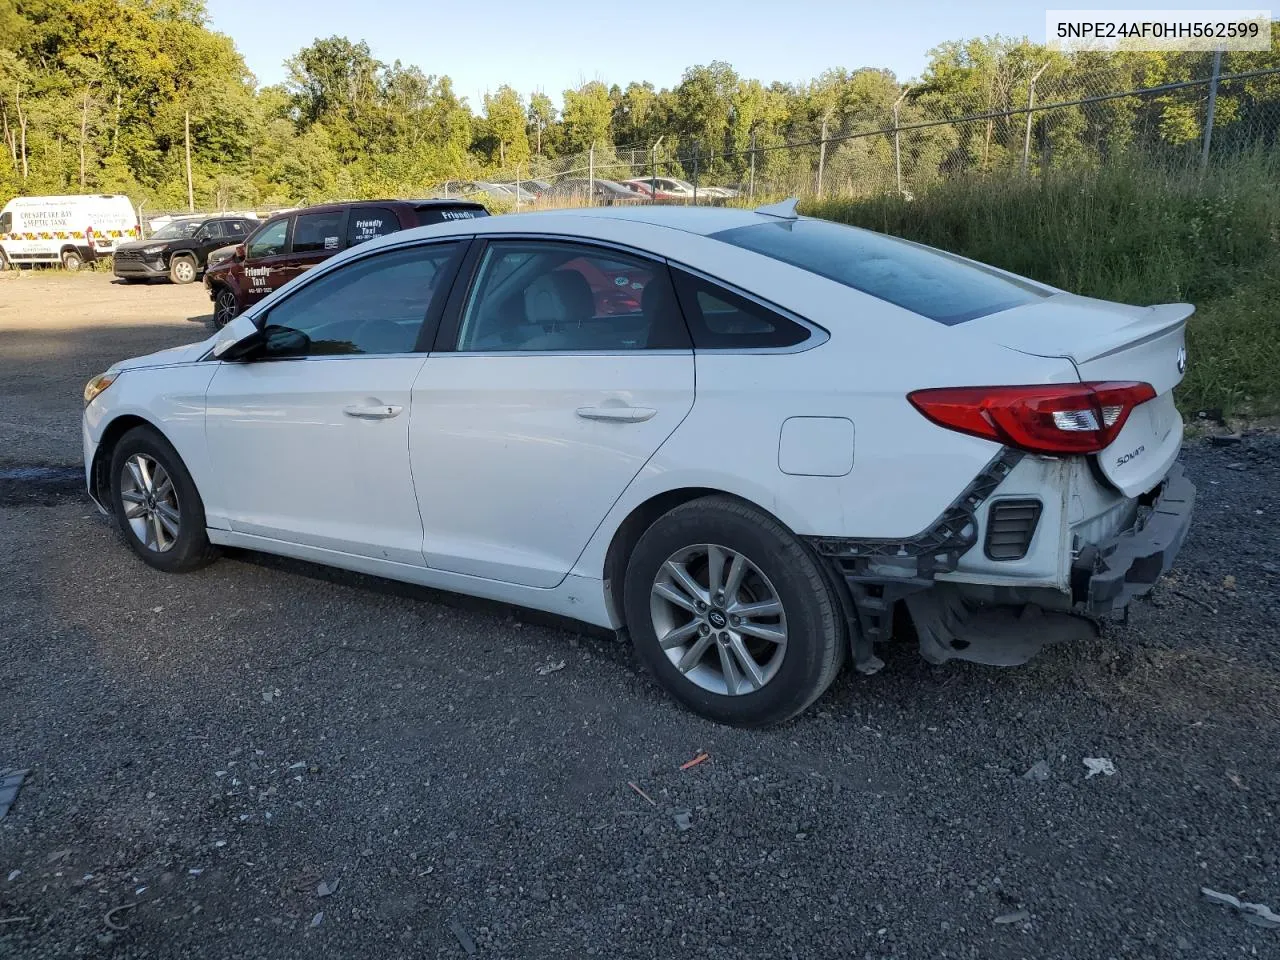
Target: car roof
[690,219]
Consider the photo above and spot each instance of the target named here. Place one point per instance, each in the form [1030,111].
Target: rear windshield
[435,214]
[920,279]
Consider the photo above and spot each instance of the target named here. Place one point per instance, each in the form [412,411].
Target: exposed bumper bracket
[1107,577]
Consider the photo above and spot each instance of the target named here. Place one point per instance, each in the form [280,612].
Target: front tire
[225,308]
[182,270]
[732,614]
[156,504]
[4,262]
[71,261]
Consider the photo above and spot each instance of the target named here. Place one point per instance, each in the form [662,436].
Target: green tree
[588,115]
[505,126]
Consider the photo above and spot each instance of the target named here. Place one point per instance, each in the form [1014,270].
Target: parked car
[291,243]
[802,440]
[578,189]
[67,230]
[180,250]
[501,192]
[648,188]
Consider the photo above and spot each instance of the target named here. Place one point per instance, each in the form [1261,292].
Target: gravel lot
[207,751]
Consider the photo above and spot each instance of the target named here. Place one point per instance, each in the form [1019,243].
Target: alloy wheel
[718,619]
[150,503]
[224,308]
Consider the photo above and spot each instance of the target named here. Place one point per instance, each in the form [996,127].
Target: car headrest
[559,298]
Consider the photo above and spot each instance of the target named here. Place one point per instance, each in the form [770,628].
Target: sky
[557,44]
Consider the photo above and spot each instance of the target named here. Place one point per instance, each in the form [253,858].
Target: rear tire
[71,260]
[156,504]
[182,270]
[755,656]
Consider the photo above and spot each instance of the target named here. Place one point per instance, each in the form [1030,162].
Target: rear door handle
[380,411]
[617,414]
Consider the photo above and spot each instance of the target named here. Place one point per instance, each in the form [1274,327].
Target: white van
[66,230]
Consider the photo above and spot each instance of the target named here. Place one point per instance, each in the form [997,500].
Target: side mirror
[238,340]
[239,254]
[284,341]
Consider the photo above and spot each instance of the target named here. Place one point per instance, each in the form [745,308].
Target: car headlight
[98,384]
[152,251]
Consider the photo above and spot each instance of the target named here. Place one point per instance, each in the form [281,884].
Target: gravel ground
[267,759]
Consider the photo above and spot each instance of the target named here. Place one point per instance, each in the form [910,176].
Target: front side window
[556,297]
[372,306]
[319,232]
[929,282]
[6,222]
[270,240]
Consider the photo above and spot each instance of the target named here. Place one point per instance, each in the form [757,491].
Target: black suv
[180,249]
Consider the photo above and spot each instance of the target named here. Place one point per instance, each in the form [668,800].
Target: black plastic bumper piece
[1108,576]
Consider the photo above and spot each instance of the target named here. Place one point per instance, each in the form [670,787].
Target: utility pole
[653,170]
[897,146]
[191,196]
[1213,104]
[591,175]
[751,183]
[822,155]
[22,124]
[1031,105]
[84,126]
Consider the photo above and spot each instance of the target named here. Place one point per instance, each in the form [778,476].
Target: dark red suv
[290,243]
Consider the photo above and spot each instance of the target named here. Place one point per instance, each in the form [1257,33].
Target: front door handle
[372,411]
[617,414]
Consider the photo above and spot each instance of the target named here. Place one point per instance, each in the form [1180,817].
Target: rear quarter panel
[906,470]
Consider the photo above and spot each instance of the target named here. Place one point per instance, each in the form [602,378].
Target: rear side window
[430,215]
[929,282]
[366,223]
[720,319]
[319,232]
[233,228]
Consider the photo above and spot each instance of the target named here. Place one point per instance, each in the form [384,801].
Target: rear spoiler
[1149,323]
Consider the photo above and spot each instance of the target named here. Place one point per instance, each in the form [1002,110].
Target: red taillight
[1047,418]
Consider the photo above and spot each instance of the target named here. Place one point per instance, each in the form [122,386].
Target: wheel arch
[99,471]
[643,516]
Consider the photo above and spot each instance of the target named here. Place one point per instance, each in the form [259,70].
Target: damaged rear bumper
[1107,577]
[1000,624]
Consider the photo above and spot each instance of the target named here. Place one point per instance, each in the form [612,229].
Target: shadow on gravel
[39,485]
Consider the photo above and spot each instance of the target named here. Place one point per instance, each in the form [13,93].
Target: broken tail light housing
[1060,419]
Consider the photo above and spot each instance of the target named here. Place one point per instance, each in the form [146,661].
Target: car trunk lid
[1111,342]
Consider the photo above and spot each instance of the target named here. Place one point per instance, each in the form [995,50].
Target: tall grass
[1132,234]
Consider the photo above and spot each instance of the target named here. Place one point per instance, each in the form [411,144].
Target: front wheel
[71,260]
[182,270]
[156,503]
[732,614]
[4,262]
[224,307]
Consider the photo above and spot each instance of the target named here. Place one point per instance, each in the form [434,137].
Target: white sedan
[759,444]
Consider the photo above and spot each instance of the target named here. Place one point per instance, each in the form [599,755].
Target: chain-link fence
[1027,117]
